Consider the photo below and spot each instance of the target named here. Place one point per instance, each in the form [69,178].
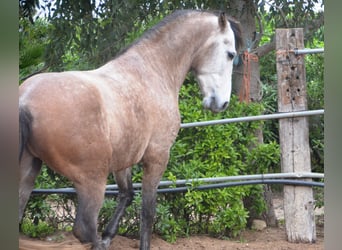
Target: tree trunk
[247,85]
[247,71]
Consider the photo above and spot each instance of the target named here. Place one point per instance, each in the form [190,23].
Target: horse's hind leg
[124,181]
[90,195]
[29,168]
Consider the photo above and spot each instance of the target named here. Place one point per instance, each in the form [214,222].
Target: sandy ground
[266,239]
[269,238]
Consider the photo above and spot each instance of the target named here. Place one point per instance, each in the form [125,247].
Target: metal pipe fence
[254,118]
[199,187]
[308,51]
[218,182]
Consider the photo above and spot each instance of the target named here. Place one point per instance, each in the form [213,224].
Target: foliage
[42,209]
[96,30]
[39,230]
[213,151]
[315,90]
[32,45]
[291,14]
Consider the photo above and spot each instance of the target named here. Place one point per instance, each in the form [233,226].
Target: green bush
[38,230]
[41,209]
[214,151]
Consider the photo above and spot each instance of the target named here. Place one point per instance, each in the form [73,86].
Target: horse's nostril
[231,55]
[225,105]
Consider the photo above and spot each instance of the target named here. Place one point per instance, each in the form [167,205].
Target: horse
[85,125]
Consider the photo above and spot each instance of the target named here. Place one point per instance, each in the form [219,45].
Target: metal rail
[200,187]
[222,182]
[308,51]
[254,118]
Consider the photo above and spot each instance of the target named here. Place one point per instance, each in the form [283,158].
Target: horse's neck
[171,53]
[165,57]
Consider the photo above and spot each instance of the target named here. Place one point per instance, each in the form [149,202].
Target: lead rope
[245,88]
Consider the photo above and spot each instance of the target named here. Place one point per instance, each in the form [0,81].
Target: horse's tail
[25,124]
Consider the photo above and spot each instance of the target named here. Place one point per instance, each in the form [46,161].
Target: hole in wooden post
[287,90]
[293,67]
[298,89]
[297,77]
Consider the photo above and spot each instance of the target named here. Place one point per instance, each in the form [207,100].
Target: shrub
[40,229]
[213,151]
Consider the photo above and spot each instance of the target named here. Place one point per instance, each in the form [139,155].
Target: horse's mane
[179,15]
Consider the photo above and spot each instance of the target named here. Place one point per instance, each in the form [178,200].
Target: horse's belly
[129,149]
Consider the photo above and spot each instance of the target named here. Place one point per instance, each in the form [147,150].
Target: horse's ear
[222,21]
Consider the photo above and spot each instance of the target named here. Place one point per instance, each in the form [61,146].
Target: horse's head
[213,64]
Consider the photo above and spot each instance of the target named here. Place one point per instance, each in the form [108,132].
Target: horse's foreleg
[28,170]
[124,181]
[151,179]
[147,217]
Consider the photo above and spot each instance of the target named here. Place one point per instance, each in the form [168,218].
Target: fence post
[294,135]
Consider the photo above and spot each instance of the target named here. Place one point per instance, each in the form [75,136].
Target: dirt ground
[266,239]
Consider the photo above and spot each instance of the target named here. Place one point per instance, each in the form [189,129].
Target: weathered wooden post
[294,135]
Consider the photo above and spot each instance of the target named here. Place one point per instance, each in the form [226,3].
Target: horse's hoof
[101,245]
[106,242]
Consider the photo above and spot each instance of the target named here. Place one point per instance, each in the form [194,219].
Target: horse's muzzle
[212,104]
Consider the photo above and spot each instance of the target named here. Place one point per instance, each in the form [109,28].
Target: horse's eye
[231,55]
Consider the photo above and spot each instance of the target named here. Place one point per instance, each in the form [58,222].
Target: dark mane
[179,15]
[153,31]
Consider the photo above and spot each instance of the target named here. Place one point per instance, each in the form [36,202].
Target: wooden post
[294,135]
